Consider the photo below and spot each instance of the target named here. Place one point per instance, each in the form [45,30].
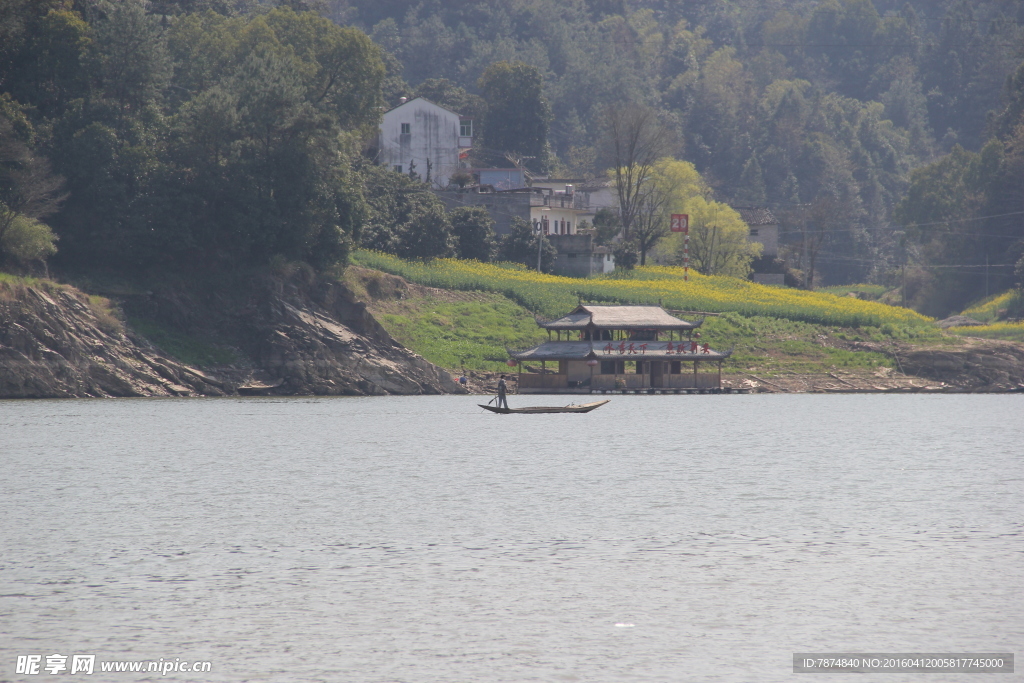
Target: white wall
[433,134]
[570,216]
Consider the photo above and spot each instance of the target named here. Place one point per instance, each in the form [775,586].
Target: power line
[925,225]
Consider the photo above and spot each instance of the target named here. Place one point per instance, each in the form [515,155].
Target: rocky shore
[294,336]
[300,334]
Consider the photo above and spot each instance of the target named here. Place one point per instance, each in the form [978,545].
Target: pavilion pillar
[694,374]
[719,374]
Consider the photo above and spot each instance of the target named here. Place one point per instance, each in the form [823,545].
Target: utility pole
[540,237]
[540,242]
[803,255]
[903,267]
[903,287]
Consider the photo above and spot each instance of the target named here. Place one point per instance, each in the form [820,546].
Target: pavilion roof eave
[585,350]
[560,325]
[608,317]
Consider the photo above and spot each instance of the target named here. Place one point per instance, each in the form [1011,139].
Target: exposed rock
[52,345]
[319,340]
[978,365]
[299,338]
[958,321]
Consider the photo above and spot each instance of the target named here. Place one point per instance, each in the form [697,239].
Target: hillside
[468,324]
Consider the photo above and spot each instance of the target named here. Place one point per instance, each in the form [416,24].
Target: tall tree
[516,123]
[635,139]
[28,190]
[718,240]
[473,229]
[522,243]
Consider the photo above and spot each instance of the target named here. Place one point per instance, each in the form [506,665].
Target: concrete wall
[502,206]
[433,134]
[502,178]
[576,256]
[768,237]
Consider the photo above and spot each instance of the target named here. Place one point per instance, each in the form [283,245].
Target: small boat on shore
[581,408]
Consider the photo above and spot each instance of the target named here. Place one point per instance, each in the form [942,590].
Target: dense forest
[886,136]
[849,118]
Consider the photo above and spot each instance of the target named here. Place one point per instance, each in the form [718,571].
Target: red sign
[681,222]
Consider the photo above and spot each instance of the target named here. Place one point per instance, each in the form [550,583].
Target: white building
[764,228]
[426,137]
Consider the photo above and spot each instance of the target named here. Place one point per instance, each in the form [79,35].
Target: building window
[607,367]
[466,129]
[406,128]
[571,255]
[753,232]
[398,167]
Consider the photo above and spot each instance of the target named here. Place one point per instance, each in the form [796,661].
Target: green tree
[28,192]
[452,96]
[626,255]
[718,240]
[606,226]
[520,245]
[473,229]
[44,54]
[427,235]
[673,184]
[26,240]
[404,218]
[341,68]
[133,64]
[517,117]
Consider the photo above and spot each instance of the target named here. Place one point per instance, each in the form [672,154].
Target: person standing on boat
[502,388]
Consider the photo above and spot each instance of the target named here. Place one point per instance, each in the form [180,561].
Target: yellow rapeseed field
[987,311]
[552,295]
[1008,331]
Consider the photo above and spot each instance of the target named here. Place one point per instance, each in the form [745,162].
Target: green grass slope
[459,328]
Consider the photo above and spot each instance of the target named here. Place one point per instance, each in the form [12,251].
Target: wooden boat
[582,408]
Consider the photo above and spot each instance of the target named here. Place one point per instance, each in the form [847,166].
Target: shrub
[27,239]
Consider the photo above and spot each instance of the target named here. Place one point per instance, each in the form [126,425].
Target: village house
[605,348]
[556,213]
[764,229]
[426,138]
[594,194]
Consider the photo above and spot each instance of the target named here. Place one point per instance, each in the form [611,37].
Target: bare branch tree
[651,222]
[635,138]
[816,223]
[27,187]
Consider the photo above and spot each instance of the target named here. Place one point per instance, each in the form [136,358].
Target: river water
[660,538]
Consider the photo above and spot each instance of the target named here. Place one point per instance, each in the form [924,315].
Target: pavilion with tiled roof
[601,348]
